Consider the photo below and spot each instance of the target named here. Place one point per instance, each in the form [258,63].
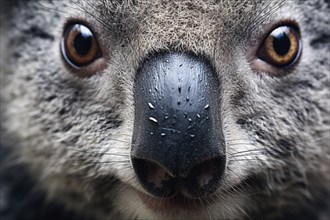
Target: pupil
[281,43]
[83,41]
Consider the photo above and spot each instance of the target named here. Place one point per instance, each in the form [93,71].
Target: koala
[194,109]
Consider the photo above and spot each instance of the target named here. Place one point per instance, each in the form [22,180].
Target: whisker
[43,7]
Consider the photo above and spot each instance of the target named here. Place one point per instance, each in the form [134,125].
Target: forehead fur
[196,25]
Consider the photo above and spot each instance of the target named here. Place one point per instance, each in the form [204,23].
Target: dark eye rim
[261,66]
[88,70]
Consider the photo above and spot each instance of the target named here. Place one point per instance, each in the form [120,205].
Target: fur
[68,138]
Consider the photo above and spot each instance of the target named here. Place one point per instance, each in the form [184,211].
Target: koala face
[170,109]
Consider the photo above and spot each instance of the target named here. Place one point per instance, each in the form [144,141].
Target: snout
[178,144]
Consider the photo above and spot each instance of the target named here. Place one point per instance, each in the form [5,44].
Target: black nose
[178,144]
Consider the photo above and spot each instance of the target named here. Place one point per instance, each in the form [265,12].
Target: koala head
[170,109]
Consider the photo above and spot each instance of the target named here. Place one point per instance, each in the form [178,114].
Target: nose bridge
[177,124]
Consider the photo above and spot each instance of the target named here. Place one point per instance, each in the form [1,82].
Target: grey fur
[73,134]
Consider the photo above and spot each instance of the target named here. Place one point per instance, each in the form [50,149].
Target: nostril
[154,178]
[205,177]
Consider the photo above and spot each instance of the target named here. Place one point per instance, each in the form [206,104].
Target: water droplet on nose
[192,135]
[189,119]
[198,116]
[153,119]
[187,98]
[207,106]
[151,106]
[163,134]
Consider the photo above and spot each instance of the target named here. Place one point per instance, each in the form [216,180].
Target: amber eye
[79,46]
[281,48]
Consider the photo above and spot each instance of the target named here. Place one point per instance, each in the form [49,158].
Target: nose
[177,144]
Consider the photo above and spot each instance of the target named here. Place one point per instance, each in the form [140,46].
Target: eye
[79,46]
[281,48]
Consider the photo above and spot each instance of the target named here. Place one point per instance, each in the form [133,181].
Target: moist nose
[177,138]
